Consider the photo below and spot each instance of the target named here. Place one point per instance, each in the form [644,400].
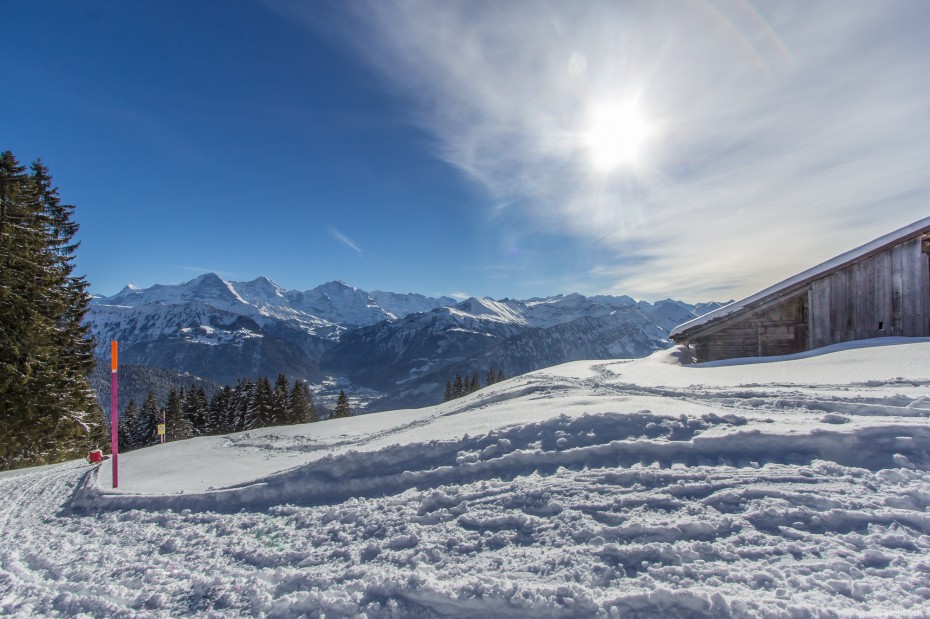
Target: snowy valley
[775,487]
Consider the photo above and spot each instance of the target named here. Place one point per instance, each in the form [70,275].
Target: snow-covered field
[793,487]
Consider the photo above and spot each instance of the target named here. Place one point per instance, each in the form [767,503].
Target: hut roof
[800,280]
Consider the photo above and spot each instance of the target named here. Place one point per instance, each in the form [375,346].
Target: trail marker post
[114,415]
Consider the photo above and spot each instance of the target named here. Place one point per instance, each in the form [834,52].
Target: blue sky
[698,150]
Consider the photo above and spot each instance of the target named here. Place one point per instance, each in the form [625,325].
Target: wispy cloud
[339,236]
[779,137]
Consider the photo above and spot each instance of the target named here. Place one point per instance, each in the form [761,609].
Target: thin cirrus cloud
[339,236]
[777,137]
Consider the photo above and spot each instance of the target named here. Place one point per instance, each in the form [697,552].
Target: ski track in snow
[615,498]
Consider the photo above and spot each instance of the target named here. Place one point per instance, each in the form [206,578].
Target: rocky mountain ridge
[397,348]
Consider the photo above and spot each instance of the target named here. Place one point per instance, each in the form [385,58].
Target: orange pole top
[113,355]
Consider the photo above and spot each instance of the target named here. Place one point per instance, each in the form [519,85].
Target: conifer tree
[128,420]
[221,412]
[263,402]
[279,402]
[179,425]
[448,393]
[149,417]
[342,406]
[70,291]
[458,388]
[300,404]
[185,426]
[48,412]
[491,377]
[195,409]
[226,410]
[25,348]
[500,376]
[172,414]
[475,385]
[244,405]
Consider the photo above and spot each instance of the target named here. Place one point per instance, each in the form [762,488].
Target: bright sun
[615,136]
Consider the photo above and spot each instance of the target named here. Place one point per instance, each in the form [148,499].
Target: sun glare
[615,136]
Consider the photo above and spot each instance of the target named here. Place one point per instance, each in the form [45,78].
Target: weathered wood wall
[884,294]
[781,328]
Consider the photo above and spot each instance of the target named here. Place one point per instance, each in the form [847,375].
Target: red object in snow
[95,456]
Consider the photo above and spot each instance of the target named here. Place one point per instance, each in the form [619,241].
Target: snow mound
[610,440]
[794,487]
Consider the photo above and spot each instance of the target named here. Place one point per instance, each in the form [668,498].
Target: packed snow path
[797,488]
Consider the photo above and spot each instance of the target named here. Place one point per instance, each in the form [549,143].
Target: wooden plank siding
[820,312]
[897,292]
[778,329]
[924,294]
[880,294]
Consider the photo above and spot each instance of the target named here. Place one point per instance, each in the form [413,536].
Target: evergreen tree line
[463,386]
[136,381]
[247,406]
[48,412]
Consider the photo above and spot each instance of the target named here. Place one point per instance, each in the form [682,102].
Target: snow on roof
[921,225]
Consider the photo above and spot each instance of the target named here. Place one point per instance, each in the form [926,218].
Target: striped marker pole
[114,417]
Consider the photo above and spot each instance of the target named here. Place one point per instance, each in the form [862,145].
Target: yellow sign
[161,429]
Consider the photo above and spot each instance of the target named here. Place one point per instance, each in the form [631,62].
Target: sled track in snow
[709,540]
[38,494]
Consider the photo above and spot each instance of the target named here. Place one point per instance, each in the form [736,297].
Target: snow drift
[793,487]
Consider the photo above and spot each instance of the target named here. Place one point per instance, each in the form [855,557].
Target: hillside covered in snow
[771,487]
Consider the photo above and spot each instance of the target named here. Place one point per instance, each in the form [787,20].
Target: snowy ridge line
[588,441]
[760,397]
[747,397]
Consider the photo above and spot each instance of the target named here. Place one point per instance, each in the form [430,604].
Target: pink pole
[114,417]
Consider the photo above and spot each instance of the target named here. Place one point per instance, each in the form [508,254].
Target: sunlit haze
[696,150]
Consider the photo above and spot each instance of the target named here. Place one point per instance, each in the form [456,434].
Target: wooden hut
[879,289]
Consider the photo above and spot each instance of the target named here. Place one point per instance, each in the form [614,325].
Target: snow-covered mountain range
[404,346]
[224,330]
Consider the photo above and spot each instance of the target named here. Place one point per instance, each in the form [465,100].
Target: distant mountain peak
[261,279]
[264,284]
[337,284]
[215,285]
[477,304]
[261,292]
[208,277]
